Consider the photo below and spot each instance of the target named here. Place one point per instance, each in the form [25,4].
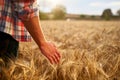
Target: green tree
[93,16]
[82,16]
[118,12]
[107,14]
[43,16]
[59,12]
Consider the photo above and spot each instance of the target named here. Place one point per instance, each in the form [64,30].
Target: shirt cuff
[27,13]
[25,10]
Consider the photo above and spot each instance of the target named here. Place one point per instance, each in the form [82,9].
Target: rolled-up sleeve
[25,9]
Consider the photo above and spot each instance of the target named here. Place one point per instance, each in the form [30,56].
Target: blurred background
[79,9]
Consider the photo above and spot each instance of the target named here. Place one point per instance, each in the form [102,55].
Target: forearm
[34,28]
[28,15]
[48,49]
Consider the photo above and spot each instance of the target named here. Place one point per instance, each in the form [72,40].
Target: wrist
[42,43]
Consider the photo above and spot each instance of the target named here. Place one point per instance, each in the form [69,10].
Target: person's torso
[11,24]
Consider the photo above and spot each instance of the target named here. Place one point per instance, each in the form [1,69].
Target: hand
[49,50]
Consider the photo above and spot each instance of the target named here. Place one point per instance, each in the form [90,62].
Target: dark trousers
[8,47]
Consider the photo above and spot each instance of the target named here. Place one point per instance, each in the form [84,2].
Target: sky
[91,7]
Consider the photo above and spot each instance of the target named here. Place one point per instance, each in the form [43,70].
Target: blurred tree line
[59,13]
[108,15]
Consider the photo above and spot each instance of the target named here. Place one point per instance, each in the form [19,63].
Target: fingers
[50,59]
[57,58]
[56,51]
[54,59]
[51,53]
[58,54]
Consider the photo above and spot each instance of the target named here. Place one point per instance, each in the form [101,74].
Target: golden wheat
[90,51]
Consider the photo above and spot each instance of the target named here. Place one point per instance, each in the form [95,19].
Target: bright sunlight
[50,2]
[54,2]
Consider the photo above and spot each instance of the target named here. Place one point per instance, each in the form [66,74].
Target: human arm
[48,49]
[27,13]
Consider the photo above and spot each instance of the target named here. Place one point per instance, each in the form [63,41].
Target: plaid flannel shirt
[12,15]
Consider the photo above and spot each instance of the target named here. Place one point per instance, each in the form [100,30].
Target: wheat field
[90,51]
